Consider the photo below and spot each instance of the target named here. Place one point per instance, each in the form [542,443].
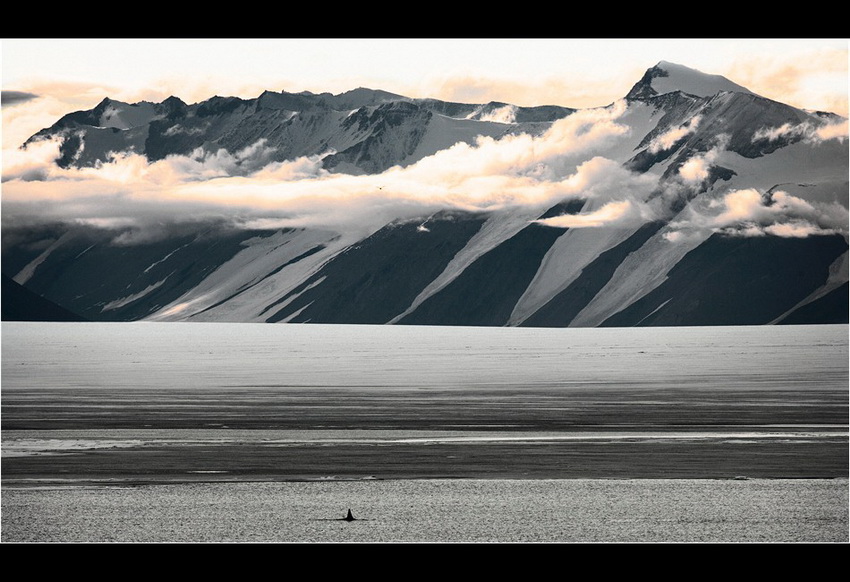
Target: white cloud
[506,114]
[669,138]
[246,187]
[180,130]
[748,212]
[797,229]
[611,213]
[697,168]
[616,196]
[838,130]
[807,131]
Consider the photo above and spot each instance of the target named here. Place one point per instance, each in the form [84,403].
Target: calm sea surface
[569,510]
[178,355]
[86,405]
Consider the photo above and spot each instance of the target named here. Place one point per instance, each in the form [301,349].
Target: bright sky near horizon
[811,73]
[75,74]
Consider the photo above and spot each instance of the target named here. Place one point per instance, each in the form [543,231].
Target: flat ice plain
[241,432]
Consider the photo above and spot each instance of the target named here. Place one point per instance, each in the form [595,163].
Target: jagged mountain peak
[667,77]
[173,102]
[307,100]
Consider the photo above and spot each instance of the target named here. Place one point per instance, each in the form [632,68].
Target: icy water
[468,511]
[204,355]
[238,432]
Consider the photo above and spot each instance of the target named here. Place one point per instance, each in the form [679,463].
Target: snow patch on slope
[687,80]
[641,272]
[839,273]
[640,118]
[498,228]
[165,258]
[261,256]
[124,116]
[268,269]
[28,271]
[134,297]
[444,132]
[563,264]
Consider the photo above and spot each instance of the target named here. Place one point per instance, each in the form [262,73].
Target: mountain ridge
[712,181]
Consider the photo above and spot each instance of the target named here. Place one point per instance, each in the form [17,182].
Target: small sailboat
[348,517]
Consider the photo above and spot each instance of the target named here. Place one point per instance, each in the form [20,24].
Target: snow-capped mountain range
[691,201]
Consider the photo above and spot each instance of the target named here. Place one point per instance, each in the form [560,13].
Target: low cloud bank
[247,189]
[749,212]
[573,160]
[805,131]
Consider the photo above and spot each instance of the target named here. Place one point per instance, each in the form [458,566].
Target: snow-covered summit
[666,77]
